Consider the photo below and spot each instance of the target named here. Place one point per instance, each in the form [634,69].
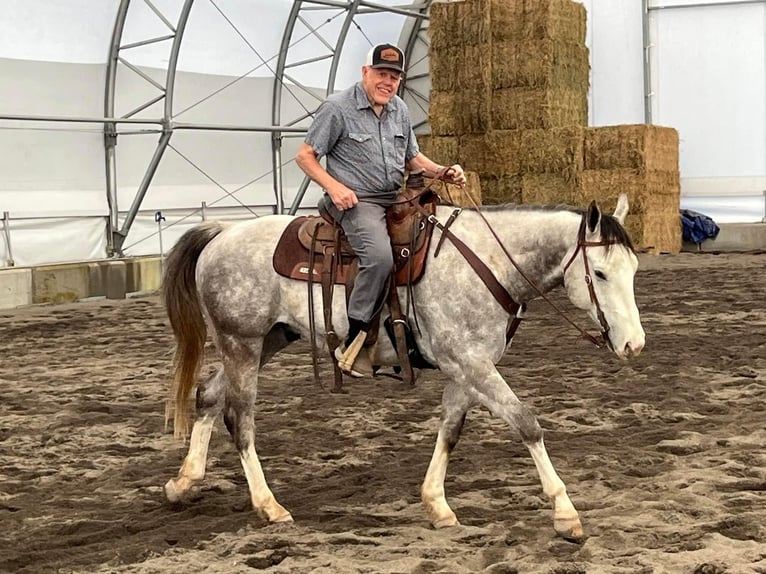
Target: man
[366,133]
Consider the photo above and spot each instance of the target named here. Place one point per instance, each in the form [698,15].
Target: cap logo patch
[389,55]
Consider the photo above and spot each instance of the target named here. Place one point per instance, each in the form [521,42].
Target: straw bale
[547,189]
[639,146]
[472,152]
[653,221]
[441,149]
[538,19]
[557,150]
[459,23]
[649,192]
[467,196]
[497,190]
[455,67]
[457,113]
[540,63]
[531,108]
[655,234]
[503,153]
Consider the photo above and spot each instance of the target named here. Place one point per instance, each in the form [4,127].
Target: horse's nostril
[632,350]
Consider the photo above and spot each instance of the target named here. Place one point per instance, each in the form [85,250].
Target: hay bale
[537,19]
[501,189]
[654,196]
[472,152]
[557,150]
[459,23]
[655,234]
[639,146]
[649,192]
[455,67]
[503,153]
[533,108]
[540,63]
[547,189]
[459,112]
[441,149]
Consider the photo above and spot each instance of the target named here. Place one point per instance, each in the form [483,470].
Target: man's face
[380,84]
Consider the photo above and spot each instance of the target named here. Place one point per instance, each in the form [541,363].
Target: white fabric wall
[709,76]
[708,80]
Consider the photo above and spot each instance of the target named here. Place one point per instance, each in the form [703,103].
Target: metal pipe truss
[119,55]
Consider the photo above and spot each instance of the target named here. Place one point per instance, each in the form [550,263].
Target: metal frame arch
[117,233]
[110,128]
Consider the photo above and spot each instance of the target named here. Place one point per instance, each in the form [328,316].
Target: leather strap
[329,268]
[312,319]
[450,220]
[500,293]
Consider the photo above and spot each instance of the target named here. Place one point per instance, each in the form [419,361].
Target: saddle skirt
[409,230]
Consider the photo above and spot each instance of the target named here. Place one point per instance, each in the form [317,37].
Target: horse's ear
[593,218]
[622,208]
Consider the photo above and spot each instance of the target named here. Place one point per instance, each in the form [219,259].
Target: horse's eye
[600,275]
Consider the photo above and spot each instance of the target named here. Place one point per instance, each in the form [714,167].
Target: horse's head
[598,276]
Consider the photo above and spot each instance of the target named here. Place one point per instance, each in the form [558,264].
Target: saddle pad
[291,259]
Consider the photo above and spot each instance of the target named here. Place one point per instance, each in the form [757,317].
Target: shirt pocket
[400,149]
[359,137]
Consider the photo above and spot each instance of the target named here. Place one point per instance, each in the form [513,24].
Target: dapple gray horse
[221,277]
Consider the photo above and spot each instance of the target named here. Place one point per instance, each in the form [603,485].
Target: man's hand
[455,175]
[343,197]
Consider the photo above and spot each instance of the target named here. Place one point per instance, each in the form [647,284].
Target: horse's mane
[612,232]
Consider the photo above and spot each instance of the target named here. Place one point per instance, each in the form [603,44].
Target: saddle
[408,227]
[315,249]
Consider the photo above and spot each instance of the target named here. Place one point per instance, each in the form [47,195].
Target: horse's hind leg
[455,405]
[241,361]
[210,400]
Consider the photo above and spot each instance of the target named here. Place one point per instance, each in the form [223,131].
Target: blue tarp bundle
[697,227]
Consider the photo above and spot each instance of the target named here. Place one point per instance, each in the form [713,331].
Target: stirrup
[347,356]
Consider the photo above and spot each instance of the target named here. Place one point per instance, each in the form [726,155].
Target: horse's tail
[184,309]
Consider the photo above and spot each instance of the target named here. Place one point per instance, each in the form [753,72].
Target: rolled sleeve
[326,129]
[413,148]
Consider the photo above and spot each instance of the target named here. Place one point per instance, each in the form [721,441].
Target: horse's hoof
[282,519]
[172,492]
[274,513]
[569,529]
[446,522]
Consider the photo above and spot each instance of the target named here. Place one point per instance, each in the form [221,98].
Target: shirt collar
[362,101]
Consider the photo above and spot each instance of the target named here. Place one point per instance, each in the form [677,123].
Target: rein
[502,295]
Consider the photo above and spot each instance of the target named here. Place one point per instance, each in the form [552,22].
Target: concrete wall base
[733,237]
[112,278]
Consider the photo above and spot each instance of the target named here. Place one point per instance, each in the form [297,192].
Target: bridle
[581,245]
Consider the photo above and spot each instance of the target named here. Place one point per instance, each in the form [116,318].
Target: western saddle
[315,249]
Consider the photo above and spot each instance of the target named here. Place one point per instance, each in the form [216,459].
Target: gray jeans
[365,229]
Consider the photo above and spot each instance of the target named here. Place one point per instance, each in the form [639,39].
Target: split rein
[501,294]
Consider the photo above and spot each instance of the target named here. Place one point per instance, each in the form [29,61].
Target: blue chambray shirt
[364,152]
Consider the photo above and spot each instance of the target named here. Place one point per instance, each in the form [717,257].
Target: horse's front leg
[455,405]
[493,392]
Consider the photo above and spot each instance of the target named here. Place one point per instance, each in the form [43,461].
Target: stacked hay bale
[509,85]
[642,161]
